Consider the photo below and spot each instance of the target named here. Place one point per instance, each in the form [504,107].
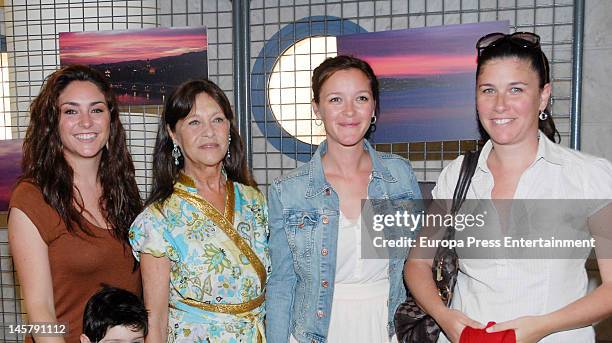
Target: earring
[318,122]
[176,153]
[229,144]
[373,120]
[543,115]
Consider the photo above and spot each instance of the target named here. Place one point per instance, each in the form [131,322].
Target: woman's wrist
[545,325]
[439,311]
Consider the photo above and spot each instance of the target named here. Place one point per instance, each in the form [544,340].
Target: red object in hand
[471,335]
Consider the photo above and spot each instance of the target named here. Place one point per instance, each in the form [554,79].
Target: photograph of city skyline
[145,65]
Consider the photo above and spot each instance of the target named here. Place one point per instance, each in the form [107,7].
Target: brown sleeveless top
[80,264]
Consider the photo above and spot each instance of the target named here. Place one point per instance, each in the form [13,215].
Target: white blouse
[505,289]
[350,267]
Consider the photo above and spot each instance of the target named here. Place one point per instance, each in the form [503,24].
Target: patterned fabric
[219,262]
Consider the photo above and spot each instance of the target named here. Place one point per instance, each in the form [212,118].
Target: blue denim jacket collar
[304,257]
[317,182]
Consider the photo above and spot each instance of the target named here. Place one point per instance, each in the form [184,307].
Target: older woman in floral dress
[202,239]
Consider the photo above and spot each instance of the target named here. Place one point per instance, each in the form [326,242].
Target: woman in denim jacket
[314,214]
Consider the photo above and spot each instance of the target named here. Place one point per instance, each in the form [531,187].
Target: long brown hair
[177,107]
[45,165]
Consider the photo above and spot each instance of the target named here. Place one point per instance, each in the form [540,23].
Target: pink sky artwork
[418,65]
[117,46]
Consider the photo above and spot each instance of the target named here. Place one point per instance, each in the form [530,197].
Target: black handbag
[412,325]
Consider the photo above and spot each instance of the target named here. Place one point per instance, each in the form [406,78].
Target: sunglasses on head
[526,40]
[521,39]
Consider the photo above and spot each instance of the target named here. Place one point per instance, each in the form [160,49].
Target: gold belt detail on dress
[226,308]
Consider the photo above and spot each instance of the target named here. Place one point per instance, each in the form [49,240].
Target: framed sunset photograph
[10,169]
[427,80]
[145,65]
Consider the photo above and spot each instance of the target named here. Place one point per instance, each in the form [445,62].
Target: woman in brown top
[70,213]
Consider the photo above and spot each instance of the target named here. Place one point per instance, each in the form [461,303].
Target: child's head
[114,315]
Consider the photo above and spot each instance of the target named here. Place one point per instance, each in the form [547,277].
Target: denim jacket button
[320,314]
[324,251]
[325,220]
[325,283]
[327,191]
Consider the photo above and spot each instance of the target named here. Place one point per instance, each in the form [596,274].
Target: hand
[528,329]
[453,322]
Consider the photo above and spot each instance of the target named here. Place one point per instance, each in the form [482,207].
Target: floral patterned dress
[219,262]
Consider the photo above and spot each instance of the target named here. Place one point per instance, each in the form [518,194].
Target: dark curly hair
[177,107]
[44,163]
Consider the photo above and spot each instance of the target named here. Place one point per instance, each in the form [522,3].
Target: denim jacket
[303,221]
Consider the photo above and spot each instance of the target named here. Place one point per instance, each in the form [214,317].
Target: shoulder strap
[468,168]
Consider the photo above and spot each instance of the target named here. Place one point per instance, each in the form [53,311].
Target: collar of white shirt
[545,152]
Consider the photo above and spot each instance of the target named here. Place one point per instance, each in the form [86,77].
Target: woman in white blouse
[541,300]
